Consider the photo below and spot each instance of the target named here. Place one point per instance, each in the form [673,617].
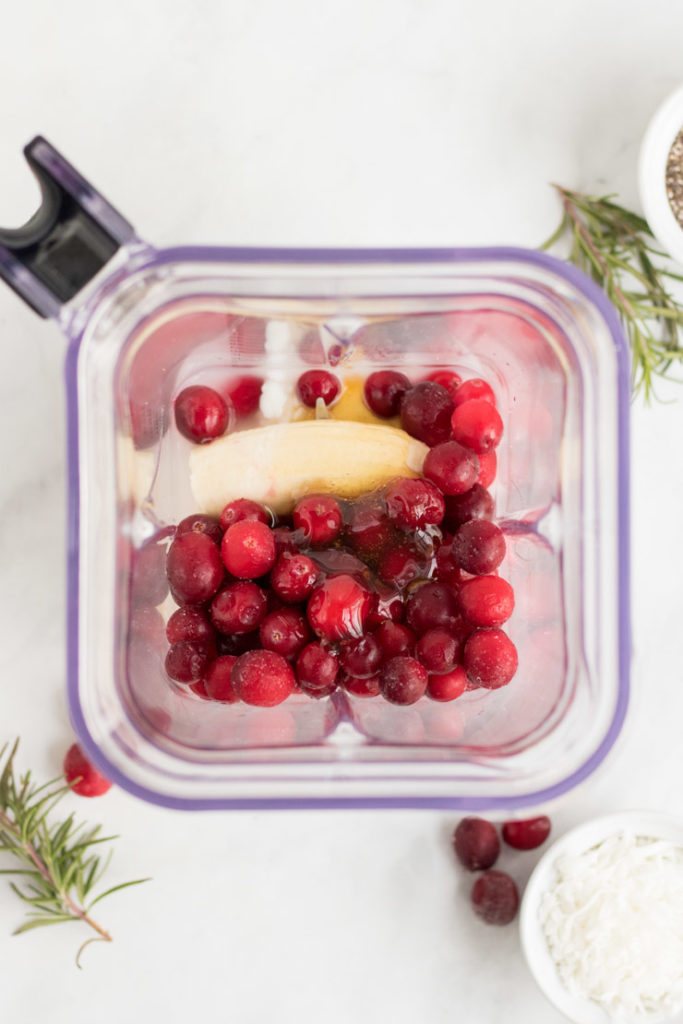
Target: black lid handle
[72,235]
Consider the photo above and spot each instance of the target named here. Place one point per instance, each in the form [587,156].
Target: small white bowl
[577,840]
[654,153]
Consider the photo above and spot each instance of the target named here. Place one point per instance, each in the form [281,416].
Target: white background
[294,123]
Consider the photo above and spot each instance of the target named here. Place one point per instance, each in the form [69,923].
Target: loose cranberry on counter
[317,670]
[402,564]
[414,503]
[218,681]
[384,391]
[447,686]
[438,650]
[488,465]
[452,467]
[478,547]
[245,394]
[285,632]
[238,608]
[476,843]
[315,384]
[293,577]
[199,523]
[474,389]
[243,510]
[476,503]
[368,529]
[447,379]
[368,687]
[188,661]
[394,639]
[527,834]
[338,608]
[426,412]
[490,658]
[361,657]
[262,678]
[194,568]
[495,898]
[82,776]
[434,604]
[319,518]
[201,414]
[248,549]
[403,680]
[477,424]
[486,601]
[189,623]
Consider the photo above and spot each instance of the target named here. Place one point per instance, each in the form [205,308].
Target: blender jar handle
[72,235]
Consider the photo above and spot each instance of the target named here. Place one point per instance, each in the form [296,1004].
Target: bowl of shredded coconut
[602,920]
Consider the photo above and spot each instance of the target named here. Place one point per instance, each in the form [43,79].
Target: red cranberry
[262,678]
[527,834]
[245,394]
[447,379]
[319,518]
[447,686]
[477,424]
[490,658]
[434,604]
[474,389]
[199,523]
[495,898]
[476,503]
[387,606]
[199,689]
[453,468]
[238,608]
[368,530]
[478,547]
[384,391]
[426,412]
[201,414]
[248,549]
[285,632]
[189,624]
[487,601]
[315,384]
[488,465]
[317,670]
[243,510]
[361,657]
[217,681]
[403,680]
[414,503]
[285,541]
[476,844]
[438,650]
[366,687]
[194,568]
[81,775]
[293,577]
[446,569]
[189,660]
[394,639]
[149,584]
[402,564]
[338,608]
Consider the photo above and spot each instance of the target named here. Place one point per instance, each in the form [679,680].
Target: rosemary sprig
[615,247]
[57,867]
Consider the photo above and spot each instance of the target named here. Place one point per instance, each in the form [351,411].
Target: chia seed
[674,178]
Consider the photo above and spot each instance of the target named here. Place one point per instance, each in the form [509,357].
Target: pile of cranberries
[394,594]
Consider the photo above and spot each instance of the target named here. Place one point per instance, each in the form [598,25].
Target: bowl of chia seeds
[660,175]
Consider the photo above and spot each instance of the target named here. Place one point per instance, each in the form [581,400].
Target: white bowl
[541,964]
[654,153]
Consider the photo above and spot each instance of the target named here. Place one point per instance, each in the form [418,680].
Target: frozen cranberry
[384,391]
[199,523]
[414,503]
[495,898]
[488,465]
[149,584]
[446,569]
[447,379]
[426,412]
[189,624]
[368,530]
[366,687]
[448,685]
[478,547]
[452,467]
[262,678]
[478,425]
[201,414]
[434,604]
[490,658]
[394,639]
[245,394]
[438,650]
[198,688]
[401,565]
[474,389]
[403,680]
[189,660]
[239,607]
[361,656]
[243,510]
[317,669]
[217,681]
[285,632]
[315,384]
[476,503]
[526,834]
[285,541]
[476,844]
[387,606]
[487,601]
[338,608]
[248,549]
[293,577]
[194,568]
[81,775]
[319,518]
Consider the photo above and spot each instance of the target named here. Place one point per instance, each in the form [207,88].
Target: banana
[278,464]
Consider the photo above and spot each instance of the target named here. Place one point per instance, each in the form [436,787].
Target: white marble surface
[312,123]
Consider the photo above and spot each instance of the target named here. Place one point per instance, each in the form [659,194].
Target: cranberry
[199,689]
[447,379]
[285,632]
[487,601]
[437,650]
[495,898]
[426,412]
[368,530]
[293,577]
[446,569]
[194,568]
[149,583]
[317,670]
[189,624]
[387,606]
[366,687]
[476,503]
[262,678]
[403,680]
[315,384]
[474,389]
[490,658]
[527,834]
[488,464]
[394,639]
[199,523]
[81,775]
[338,608]
[189,660]
[478,547]
[248,549]
[434,604]
[239,607]
[217,681]
[478,425]
[285,541]
[319,518]
[243,510]
[448,685]
[361,657]
[452,467]
[401,565]
[201,414]
[476,844]
[414,503]
[384,391]
[245,394]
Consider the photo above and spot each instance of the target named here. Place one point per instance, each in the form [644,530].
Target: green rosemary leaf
[38,922]
[117,888]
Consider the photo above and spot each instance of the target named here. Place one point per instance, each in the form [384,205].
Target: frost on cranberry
[403,680]
[486,601]
[495,898]
[82,776]
[285,632]
[384,391]
[476,503]
[194,568]
[426,412]
[201,414]
[526,834]
[476,843]
[490,658]
[189,623]
[248,549]
[414,503]
[438,650]
[238,608]
[488,465]
[262,678]
[434,604]
[452,467]
[394,639]
[448,379]
[188,661]
[218,682]
[478,547]
[316,670]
